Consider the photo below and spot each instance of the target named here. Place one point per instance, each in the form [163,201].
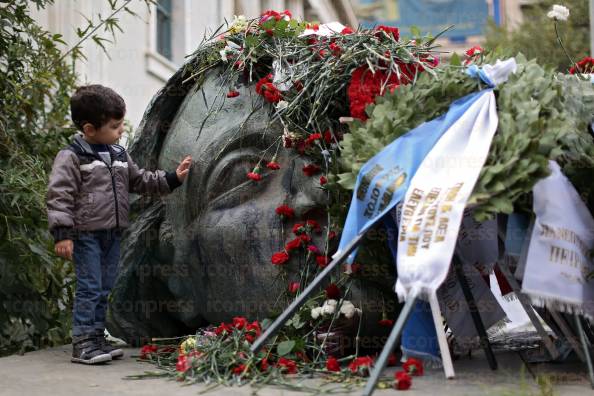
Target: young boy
[87,202]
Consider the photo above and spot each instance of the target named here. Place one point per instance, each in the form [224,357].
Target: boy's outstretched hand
[183,168]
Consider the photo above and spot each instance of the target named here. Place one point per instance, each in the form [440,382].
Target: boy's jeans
[96,255]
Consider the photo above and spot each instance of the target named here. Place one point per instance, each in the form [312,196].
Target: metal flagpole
[474,313]
[586,348]
[302,298]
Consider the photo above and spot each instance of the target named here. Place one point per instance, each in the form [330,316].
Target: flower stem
[564,50]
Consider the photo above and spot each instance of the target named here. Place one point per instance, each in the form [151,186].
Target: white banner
[436,198]
[558,260]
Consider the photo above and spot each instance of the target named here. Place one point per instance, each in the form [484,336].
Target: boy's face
[109,133]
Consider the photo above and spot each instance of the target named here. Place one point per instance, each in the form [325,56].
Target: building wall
[134,68]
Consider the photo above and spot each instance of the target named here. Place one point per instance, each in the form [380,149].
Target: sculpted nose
[307,194]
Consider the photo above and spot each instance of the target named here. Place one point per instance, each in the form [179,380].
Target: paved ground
[49,372]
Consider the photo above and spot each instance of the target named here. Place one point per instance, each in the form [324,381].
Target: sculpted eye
[228,184]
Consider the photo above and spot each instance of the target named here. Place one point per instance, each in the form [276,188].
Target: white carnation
[315,312]
[559,13]
[329,307]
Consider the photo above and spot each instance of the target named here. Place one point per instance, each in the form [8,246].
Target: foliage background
[38,77]
[536,38]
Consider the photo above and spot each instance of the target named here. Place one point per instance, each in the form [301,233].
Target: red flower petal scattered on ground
[403,380]
[413,367]
[279,258]
[232,94]
[332,364]
[285,211]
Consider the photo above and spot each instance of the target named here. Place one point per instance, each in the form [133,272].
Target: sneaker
[105,346]
[85,350]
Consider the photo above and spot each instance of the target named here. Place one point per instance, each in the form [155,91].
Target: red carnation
[323,180]
[386,322]
[294,244]
[255,174]
[335,48]
[322,261]
[392,361]
[361,365]
[293,287]
[273,165]
[298,228]
[365,86]
[268,90]
[586,66]
[239,369]
[332,364]
[239,322]
[312,138]
[147,350]
[182,364]
[413,367]
[311,169]
[313,225]
[232,94]
[390,31]
[223,328]
[476,50]
[403,380]
[347,30]
[332,292]
[279,258]
[305,238]
[264,364]
[287,365]
[285,212]
[331,235]
[313,249]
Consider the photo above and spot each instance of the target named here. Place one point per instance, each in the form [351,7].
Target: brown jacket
[85,193]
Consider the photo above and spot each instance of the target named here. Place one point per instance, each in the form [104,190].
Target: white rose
[315,312]
[558,12]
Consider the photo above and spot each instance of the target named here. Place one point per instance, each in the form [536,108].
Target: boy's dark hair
[96,105]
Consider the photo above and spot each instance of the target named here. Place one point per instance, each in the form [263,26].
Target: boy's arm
[158,182]
[64,182]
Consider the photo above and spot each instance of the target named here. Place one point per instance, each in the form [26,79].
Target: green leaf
[455,60]
[285,347]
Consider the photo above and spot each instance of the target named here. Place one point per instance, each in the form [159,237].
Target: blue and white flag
[384,179]
[434,204]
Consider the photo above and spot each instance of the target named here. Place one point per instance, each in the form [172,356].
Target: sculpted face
[224,226]
[202,254]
